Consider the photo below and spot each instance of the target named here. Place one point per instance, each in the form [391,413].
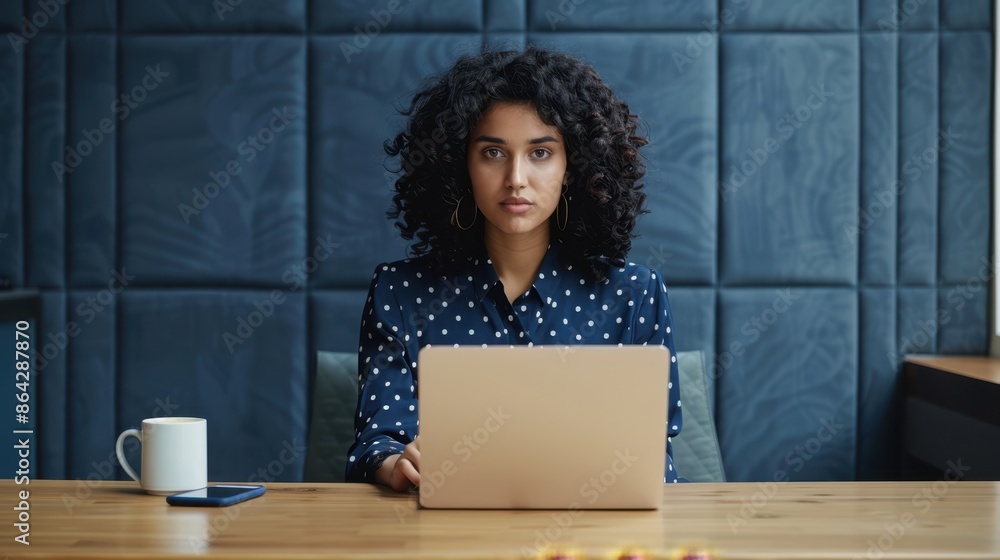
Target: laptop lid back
[543,427]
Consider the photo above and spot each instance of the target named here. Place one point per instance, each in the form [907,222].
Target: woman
[519,181]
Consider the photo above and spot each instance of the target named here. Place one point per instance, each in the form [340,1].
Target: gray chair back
[696,449]
[331,429]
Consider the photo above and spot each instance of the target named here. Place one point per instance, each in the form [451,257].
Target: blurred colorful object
[693,554]
[630,554]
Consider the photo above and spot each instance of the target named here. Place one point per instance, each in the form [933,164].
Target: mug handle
[121,452]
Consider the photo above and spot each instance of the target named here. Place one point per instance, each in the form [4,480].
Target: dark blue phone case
[219,495]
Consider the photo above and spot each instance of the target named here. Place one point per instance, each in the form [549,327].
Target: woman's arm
[652,324]
[401,472]
[386,419]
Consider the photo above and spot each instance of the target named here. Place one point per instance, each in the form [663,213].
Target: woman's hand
[402,472]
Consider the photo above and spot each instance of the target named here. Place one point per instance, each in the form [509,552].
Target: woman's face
[517,164]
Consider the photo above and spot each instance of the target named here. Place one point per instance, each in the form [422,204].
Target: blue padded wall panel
[90,388]
[252,392]
[798,372]
[918,15]
[637,15]
[789,158]
[964,211]
[335,319]
[964,307]
[350,188]
[42,15]
[878,385]
[792,15]
[967,14]
[918,321]
[10,18]
[681,158]
[94,15]
[46,110]
[217,194]
[50,375]
[12,196]
[91,174]
[504,15]
[918,158]
[342,16]
[196,15]
[879,15]
[875,229]
[693,310]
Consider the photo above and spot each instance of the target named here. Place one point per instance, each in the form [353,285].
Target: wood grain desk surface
[834,520]
[984,368]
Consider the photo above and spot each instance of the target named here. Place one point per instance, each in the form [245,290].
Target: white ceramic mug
[174,454]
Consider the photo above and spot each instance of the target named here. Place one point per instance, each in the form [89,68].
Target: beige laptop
[545,427]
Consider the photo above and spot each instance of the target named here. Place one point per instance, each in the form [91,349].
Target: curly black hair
[603,161]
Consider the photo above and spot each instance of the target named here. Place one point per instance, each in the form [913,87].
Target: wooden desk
[950,412]
[792,520]
[983,368]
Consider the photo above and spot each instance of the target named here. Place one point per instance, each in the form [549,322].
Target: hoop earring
[454,215]
[561,223]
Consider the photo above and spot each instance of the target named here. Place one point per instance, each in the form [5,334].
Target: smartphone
[219,495]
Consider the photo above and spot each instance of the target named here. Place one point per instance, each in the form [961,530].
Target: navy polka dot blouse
[409,307]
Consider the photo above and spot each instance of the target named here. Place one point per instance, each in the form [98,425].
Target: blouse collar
[484,276]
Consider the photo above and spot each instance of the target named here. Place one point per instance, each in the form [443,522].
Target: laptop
[543,427]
